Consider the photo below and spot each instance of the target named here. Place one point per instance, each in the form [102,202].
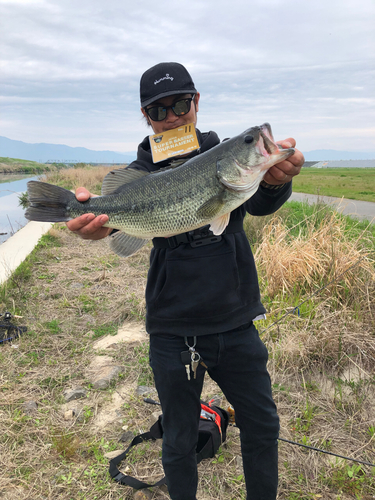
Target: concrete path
[359,209]
[15,249]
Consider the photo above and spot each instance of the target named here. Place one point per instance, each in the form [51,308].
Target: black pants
[237,362]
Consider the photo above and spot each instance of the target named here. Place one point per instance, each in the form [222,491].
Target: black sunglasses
[179,108]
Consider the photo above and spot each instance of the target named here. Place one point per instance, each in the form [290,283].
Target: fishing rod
[327,452]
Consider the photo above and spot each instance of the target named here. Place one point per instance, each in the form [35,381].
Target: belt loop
[172,243]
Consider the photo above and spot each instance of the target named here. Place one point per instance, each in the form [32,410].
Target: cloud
[71,70]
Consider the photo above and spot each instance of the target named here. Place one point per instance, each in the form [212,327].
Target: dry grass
[89,177]
[322,365]
[315,257]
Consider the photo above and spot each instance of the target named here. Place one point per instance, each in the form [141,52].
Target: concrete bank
[363,210]
[15,250]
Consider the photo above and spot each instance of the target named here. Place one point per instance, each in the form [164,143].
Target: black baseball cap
[163,80]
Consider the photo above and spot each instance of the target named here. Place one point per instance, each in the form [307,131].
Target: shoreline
[16,248]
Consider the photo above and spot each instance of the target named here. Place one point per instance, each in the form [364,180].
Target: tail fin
[48,203]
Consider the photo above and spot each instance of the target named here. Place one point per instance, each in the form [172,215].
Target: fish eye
[249,139]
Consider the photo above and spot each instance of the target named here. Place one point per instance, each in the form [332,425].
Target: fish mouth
[266,144]
[265,148]
[269,153]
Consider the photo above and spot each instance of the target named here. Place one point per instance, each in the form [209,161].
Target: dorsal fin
[173,164]
[117,178]
[178,162]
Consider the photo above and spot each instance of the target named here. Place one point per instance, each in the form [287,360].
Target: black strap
[199,237]
[208,443]
[156,432]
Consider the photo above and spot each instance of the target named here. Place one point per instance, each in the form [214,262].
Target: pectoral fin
[125,245]
[211,207]
[218,225]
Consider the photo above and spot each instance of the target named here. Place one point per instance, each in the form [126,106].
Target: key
[195,359]
[186,360]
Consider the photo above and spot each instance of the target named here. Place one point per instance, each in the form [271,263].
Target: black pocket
[200,287]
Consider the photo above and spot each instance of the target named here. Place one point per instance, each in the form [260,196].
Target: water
[11,214]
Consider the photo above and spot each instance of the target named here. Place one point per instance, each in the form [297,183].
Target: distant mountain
[59,153]
[331,154]
[43,153]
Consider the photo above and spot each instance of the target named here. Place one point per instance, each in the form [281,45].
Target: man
[205,297]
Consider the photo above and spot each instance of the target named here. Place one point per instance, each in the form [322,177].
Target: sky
[70,70]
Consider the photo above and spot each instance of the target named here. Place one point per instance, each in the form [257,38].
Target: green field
[352,183]
[12,165]
[17,165]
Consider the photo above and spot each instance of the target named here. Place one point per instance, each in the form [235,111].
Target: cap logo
[166,77]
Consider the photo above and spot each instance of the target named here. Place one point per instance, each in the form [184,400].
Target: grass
[12,165]
[16,165]
[351,183]
[71,293]
[89,177]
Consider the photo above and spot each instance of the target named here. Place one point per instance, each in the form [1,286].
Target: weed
[135,301]
[65,443]
[303,496]
[53,326]
[97,449]
[325,444]
[48,277]
[103,330]
[67,479]
[279,387]
[23,200]
[33,357]
[49,240]
[304,422]
[310,386]
[88,413]
[350,479]
[23,472]
[52,382]
[306,441]
[145,373]
[88,304]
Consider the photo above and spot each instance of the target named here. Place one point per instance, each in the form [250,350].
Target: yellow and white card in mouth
[176,142]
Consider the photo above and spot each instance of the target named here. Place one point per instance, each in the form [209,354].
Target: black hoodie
[207,289]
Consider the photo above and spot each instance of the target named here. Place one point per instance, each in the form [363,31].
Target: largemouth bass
[141,205]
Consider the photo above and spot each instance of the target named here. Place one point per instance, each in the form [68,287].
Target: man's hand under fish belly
[88,226]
